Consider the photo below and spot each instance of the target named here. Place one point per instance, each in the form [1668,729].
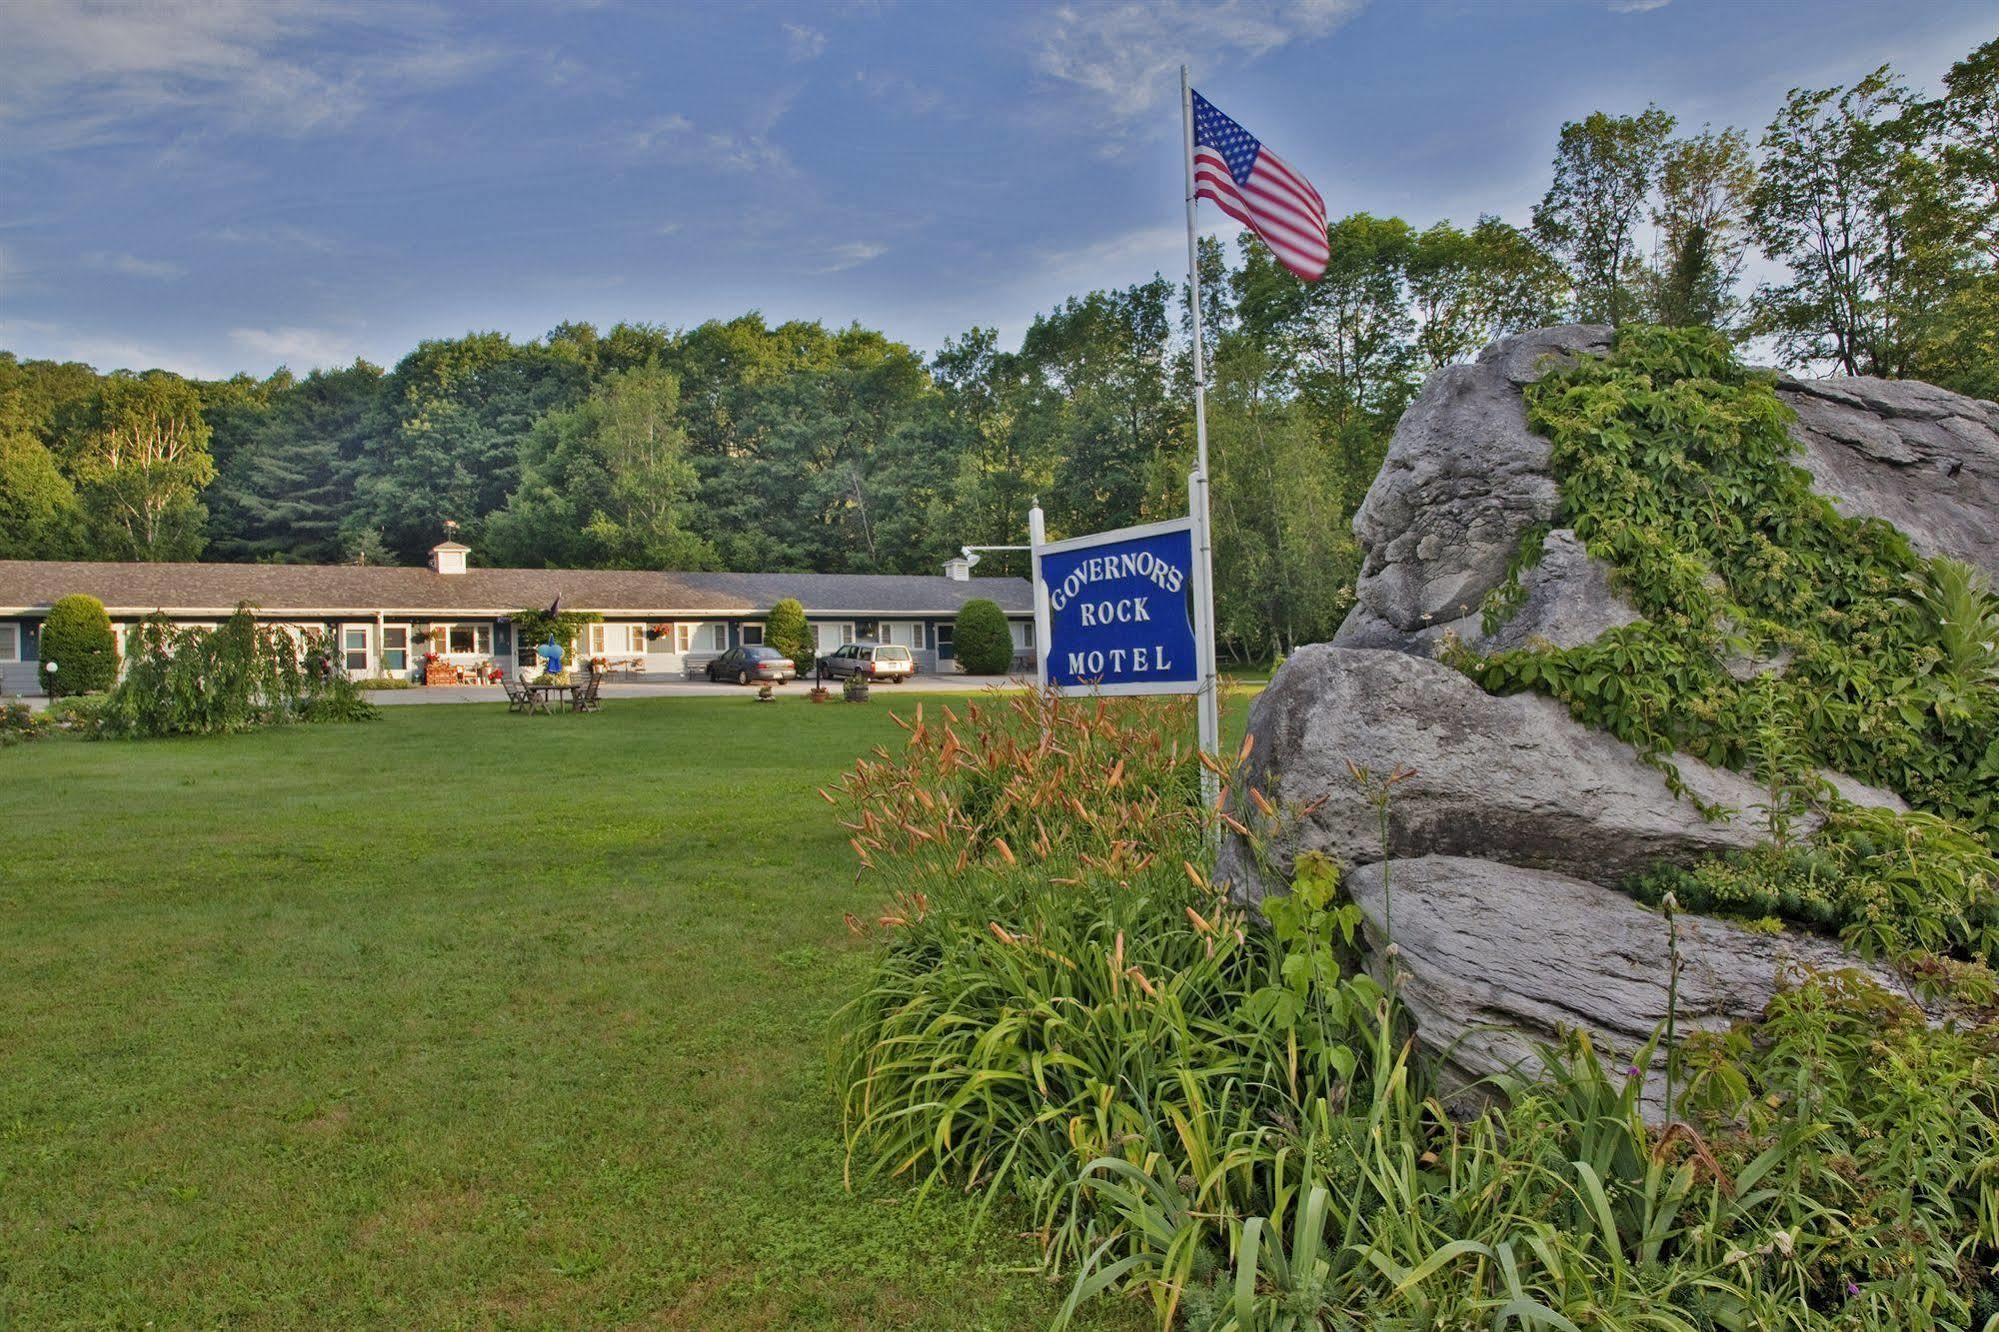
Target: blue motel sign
[1116,611]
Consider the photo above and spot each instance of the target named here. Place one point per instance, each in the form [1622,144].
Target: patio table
[544,690]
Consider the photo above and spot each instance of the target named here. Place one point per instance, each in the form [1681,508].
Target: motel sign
[1114,610]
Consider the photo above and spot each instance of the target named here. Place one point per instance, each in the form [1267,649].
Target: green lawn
[451,1019]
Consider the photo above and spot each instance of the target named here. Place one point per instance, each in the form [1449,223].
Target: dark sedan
[756,664]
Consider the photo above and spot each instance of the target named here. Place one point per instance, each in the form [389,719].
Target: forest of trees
[739,445]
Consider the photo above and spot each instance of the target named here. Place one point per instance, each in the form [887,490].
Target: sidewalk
[615,689]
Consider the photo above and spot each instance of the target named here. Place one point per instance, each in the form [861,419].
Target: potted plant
[855,690]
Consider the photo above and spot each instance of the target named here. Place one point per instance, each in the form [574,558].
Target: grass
[453,1019]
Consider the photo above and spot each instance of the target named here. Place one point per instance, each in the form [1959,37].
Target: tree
[1282,502]
[1848,203]
[1101,359]
[39,513]
[1470,287]
[443,441]
[1705,185]
[286,460]
[1966,125]
[981,639]
[144,464]
[606,484]
[1604,167]
[532,628]
[79,654]
[786,630]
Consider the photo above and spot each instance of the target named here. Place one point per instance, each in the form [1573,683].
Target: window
[718,637]
[395,647]
[683,638]
[466,640]
[10,642]
[354,647]
[753,634]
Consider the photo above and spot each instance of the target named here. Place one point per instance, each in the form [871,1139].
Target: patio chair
[585,699]
[518,697]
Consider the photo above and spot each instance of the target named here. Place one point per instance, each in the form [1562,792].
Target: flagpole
[1209,700]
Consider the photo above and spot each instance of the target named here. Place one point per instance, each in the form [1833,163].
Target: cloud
[131,265]
[803,43]
[1637,6]
[894,88]
[80,74]
[299,348]
[746,152]
[39,340]
[275,236]
[1154,247]
[853,255]
[1124,55]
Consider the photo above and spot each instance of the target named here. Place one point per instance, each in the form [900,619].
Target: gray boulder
[1920,457]
[1496,958]
[1515,779]
[1567,600]
[1463,481]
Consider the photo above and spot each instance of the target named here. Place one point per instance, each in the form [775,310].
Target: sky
[213,186]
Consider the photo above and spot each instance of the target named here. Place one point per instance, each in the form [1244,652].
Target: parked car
[755,664]
[870,661]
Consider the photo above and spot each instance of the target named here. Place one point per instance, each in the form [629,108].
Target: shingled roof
[31,586]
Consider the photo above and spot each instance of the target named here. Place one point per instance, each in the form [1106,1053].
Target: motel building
[388,621]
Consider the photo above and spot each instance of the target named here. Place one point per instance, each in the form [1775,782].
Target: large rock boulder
[1921,457]
[1497,958]
[1518,823]
[1514,779]
[1463,481]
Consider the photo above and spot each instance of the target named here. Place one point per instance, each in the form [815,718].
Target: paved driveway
[615,689]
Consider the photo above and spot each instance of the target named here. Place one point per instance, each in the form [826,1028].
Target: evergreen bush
[79,653]
[786,630]
[982,641]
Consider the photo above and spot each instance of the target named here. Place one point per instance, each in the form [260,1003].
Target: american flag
[1259,189]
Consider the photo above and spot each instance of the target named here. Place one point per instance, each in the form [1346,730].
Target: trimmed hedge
[79,652]
[982,640]
[786,630]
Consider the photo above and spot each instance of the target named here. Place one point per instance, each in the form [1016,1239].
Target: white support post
[1209,699]
[1037,537]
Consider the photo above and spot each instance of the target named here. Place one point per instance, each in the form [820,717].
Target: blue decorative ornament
[551,656]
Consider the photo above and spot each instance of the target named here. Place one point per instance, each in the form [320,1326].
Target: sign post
[1197,484]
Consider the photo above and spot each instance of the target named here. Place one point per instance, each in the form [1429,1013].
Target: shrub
[79,654]
[20,723]
[981,639]
[786,630]
[238,675]
[79,714]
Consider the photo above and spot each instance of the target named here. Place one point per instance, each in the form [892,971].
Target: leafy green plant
[238,675]
[981,638]
[786,629]
[79,654]
[20,723]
